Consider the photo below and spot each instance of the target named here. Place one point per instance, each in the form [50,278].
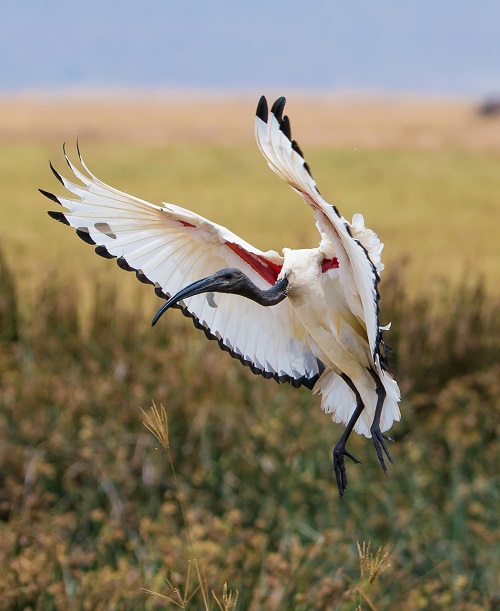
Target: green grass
[435,208]
[89,507]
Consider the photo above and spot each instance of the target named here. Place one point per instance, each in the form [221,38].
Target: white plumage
[322,329]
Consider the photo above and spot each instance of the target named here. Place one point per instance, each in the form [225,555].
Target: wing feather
[171,247]
[356,247]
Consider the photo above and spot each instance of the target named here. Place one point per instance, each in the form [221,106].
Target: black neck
[270,297]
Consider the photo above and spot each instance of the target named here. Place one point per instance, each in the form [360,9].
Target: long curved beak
[229,280]
[204,285]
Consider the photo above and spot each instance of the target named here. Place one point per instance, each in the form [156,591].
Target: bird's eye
[228,276]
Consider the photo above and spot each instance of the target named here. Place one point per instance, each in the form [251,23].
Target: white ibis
[309,317]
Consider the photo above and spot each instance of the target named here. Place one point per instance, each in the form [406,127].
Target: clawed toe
[339,467]
[379,442]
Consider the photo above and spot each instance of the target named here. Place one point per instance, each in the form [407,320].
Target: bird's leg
[378,437]
[339,450]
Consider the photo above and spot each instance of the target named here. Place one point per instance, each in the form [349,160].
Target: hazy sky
[415,46]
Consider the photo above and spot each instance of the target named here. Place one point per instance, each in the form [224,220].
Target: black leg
[339,450]
[378,437]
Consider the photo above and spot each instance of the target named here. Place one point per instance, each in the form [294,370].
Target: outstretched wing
[171,247]
[357,248]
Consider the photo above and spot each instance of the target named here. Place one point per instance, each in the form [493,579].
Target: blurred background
[424,47]
[397,108]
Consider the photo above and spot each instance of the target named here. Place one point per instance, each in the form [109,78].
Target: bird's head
[229,280]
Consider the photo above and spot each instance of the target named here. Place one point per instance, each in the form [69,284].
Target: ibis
[308,317]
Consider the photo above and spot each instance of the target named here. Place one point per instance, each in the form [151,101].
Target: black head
[229,280]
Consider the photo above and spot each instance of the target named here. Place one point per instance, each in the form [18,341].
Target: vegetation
[435,207]
[228,501]
[92,512]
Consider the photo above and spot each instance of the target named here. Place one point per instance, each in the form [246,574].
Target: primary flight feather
[308,317]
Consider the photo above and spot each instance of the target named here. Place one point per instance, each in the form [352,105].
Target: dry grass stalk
[157,424]
[370,564]
[228,604]
[181,600]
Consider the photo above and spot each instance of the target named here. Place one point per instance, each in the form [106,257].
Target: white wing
[357,248]
[171,247]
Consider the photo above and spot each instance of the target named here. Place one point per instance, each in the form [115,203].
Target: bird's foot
[379,440]
[339,452]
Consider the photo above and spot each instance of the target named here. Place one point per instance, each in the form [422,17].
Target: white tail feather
[339,400]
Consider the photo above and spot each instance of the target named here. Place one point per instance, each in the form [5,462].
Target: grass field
[91,512]
[426,177]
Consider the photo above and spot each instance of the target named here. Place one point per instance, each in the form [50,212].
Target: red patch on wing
[329,264]
[265,268]
[185,224]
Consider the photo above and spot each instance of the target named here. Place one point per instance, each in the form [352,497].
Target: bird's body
[337,338]
[309,317]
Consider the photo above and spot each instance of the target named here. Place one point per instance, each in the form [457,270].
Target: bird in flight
[309,317]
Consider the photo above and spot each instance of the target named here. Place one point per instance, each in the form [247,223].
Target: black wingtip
[56,173]
[159,293]
[84,235]
[278,107]
[103,252]
[58,216]
[141,276]
[123,264]
[307,169]
[50,196]
[262,109]
[297,148]
[285,127]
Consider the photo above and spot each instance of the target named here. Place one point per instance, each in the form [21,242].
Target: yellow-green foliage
[90,508]
[437,208]
[91,512]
